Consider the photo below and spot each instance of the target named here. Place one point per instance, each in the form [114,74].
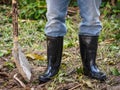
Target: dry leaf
[88,83]
[36,56]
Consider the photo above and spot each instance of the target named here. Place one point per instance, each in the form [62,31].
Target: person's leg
[88,37]
[89,11]
[55,30]
[56,12]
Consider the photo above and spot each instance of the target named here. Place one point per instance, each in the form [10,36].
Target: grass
[31,37]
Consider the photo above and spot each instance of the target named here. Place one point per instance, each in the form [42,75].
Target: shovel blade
[22,64]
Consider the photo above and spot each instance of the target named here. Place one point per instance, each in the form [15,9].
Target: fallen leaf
[36,56]
[87,83]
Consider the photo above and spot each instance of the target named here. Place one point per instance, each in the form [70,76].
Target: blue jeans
[89,12]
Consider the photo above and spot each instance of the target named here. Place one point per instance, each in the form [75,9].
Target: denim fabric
[89,12]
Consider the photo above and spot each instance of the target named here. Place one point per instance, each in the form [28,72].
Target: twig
[75,87]
[17,79]
[42,85]
[4,58]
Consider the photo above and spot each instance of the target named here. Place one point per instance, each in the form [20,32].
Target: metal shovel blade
[22,64]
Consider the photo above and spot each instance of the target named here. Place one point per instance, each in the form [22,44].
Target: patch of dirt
[71,80]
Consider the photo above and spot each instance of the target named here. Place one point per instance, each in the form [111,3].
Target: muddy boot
[54,55]
[88,50]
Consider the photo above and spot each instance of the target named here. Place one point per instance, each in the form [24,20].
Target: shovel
[20,60]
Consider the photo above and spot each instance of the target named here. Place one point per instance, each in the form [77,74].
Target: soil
[8,82]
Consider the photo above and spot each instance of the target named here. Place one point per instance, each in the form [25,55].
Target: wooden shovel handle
[15,18]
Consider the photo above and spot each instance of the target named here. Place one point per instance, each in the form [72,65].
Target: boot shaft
[54,51]
[88,50]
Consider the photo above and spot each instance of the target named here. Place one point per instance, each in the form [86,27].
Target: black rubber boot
[54,55]
[88,50]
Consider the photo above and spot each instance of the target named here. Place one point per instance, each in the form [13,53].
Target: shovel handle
[15,18]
